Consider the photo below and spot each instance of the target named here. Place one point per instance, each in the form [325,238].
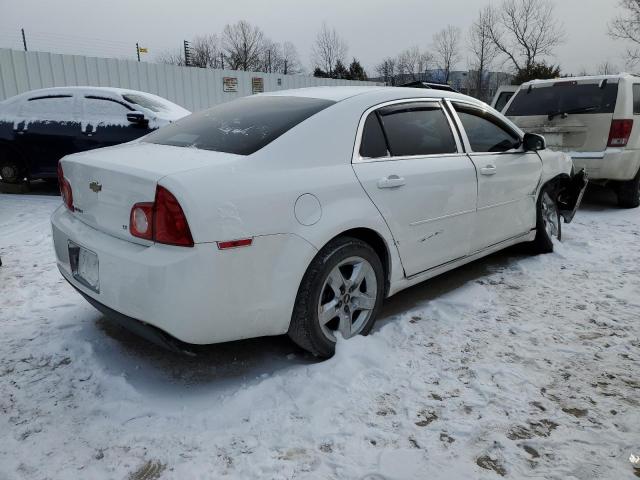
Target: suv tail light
[619,133]
[65,188]
[162,221]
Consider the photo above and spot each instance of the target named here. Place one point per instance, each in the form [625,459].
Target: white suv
[591,118]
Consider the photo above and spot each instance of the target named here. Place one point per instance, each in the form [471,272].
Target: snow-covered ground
[517,365]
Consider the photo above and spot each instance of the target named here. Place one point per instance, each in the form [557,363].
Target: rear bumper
[198,295]
[612,164]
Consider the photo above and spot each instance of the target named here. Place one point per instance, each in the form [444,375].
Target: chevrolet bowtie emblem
[95,186]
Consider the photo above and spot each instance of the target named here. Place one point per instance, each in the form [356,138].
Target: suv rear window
[564,97]
[242,126]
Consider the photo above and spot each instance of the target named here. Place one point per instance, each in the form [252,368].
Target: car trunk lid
[107,182]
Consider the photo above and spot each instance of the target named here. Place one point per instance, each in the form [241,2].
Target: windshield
[241,126]
[564,97]
[146,102]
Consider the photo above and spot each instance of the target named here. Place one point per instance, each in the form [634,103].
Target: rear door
[508,177]
[48,129]
[412,167]
[572,115]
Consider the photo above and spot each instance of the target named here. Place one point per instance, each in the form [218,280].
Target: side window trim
[97,97]
[463,132]
[357,158]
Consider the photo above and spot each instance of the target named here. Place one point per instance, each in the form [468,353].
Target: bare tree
[329,47]
[607,68]
[243,45]
[291,60]
[446,46]
[206,52]
[525,31]
[483,52]
[387,70]
[413,61]
[171,57]
[627,27]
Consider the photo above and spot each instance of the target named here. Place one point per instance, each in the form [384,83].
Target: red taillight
[162,221]
[619,133]
[65,188]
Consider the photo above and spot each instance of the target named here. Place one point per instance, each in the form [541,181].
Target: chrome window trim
[357,158]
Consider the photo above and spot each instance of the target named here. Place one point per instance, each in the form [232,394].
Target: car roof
[381,93]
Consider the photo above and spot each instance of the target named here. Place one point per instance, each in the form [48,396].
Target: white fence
[192,88]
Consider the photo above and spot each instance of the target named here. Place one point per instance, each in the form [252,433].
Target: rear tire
[341,291]
[629,193]
[548,225]
[12,167]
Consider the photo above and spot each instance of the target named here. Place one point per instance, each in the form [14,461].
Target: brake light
[65,188]
[162,221]
[619,133]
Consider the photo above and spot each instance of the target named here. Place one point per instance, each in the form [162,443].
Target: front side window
[485,132]
[146,102]
[417,129]
[242,126]
[502,101]
[54,107]
[104,108]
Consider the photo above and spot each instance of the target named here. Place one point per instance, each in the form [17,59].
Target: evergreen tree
[537,71]
[356,72]
[319,73]
[340,71]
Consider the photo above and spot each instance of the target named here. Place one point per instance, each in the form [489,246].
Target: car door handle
[392,181]
[488,170]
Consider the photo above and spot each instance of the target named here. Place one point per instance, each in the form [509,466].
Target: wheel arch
[7,145]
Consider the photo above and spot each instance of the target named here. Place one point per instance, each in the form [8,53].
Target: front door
[508,177]
[412,168]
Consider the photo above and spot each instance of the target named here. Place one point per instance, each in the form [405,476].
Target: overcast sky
[373,29]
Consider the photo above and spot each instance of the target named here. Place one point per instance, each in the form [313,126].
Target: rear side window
[417,129]
[564,97]
[502,100]
[146,102]
[241,126]
[373,144]
[485,132]
[54,107]
[636,99]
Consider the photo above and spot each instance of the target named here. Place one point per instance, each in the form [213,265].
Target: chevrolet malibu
[299,211]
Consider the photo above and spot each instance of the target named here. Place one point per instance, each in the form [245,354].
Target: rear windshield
[241,126]
[564,97]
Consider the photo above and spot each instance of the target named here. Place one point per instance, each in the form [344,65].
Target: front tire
[340,293]
[629,193]
[548,225]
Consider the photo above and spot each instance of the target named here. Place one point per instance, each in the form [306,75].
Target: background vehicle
[299,211]
[430,86]
[40,127]
[502,96]
[594,119]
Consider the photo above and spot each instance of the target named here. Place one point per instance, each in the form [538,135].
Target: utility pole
[187,54]
[269,60]
[24,40]
[222,60]
[285,66]
[138,50]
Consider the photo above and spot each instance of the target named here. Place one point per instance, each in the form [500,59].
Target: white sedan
[299,211]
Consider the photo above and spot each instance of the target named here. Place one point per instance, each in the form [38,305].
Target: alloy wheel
[347,298]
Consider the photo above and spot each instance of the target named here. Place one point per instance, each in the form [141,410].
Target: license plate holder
[85,266]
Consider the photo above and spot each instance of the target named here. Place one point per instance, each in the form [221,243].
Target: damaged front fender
[570,193]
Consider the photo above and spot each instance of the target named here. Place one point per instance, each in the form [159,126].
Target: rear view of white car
[594,119]
[299,211]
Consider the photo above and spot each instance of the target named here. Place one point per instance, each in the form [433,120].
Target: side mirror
[533,142]
[137,118]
